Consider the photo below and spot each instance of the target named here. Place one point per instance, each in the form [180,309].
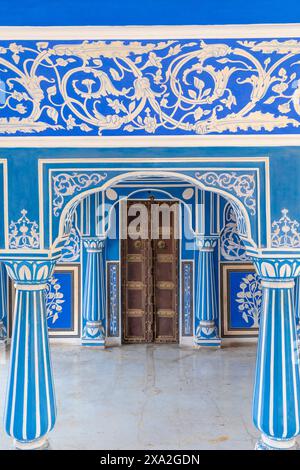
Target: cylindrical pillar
[94,294]
[30,410]
[276,402]
[206,294]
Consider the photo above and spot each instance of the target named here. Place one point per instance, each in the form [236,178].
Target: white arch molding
[148,173]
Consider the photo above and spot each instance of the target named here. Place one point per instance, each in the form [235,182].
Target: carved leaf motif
[232,248]
[115,74]
[52,90]
[268,47]
[53,114]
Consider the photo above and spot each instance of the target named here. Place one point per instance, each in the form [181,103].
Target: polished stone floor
[149,397]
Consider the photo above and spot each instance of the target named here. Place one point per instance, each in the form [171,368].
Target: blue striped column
[3,304]
[30,410]
[297,306]
[206,294]
[276,402]
[94,294]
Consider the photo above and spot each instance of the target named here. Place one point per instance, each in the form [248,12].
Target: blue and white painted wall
[216,216]
[216,108]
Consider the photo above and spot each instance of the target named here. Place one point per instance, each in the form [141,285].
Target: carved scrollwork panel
[231,246]
[158,87]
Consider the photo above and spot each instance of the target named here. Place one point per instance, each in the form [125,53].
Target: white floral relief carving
[24,233]
[249,299]
[241,185]
[285,232]
[240,219]
[161,87]
[232,247]
[71,249]
[67,184]
[54,300]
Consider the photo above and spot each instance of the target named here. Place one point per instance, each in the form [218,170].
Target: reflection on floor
[149,397]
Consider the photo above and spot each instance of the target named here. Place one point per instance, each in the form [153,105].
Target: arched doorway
[140,289]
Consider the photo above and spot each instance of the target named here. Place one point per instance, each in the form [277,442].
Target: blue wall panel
[60,301]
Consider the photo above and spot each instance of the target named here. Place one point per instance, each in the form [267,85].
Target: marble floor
[149,397]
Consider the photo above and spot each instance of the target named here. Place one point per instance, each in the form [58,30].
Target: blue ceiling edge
[148,12]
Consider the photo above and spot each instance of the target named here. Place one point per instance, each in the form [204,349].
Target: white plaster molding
[31,287]
[262,140]
[278,284]
[151,32]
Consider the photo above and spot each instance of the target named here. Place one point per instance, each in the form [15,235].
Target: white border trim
[150,32]
[76,300]
[250,140]
[237,333]
[3,162]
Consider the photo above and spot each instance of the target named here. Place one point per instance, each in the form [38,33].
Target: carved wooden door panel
[165,275]
[137,285]
[150,283]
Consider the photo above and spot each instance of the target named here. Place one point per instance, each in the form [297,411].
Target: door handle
[161,244]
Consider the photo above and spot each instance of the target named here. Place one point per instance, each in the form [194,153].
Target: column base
[267,443]
[37,444]
[205,343]
[93,342]
[93,334]
[207,335]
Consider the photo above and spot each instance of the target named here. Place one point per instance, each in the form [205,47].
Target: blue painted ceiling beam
[147,12]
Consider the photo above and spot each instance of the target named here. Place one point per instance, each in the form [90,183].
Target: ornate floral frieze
[249,299]
[24,233]
[66,185]
[285,232]
[231,245]
[157,87]
[241,185]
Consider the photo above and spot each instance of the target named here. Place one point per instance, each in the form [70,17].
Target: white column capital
[30,271]
[206,242]
[277,269]
[94,245]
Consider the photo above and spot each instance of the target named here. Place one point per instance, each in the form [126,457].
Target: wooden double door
[150,276]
